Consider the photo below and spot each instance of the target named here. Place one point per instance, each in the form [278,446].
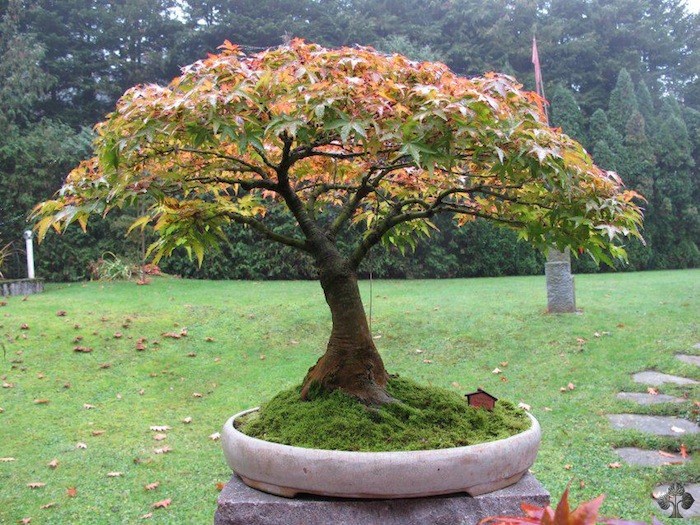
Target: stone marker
[647,458]
[690,359]
[649,399]
[561,296]
[692,512]
[242,505]
[696,346]
[649,377]
[657,425]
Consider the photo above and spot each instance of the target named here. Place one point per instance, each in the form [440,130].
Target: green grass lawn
[449,333]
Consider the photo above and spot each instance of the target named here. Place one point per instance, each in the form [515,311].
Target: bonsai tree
[344,139]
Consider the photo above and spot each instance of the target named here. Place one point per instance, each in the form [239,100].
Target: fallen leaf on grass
[81,445]
[160,428]
[684,451]
[82,349]
[162,504]
[567,467]
[118,335]
[163,450]
[71,492]
[40,376]
[615,464]
[496,371]
[215,436]
[25,521]
[570,386]
[7,385]
[41,401]
[88,406]
[24,326]
[114,474]
[220,485]
[36,485]
[503,363]
[187,420]
[61,313]
[52,464]
[209,339]
[427,361]
[1,410]
[48,505]
[152,486]
[580,340]
[160,437]
[105,365]
[653,391]
[97,432]
[524,406]
[147,515]
[7,460]
[677,430]
[192,354]
[197,394]
[547,409]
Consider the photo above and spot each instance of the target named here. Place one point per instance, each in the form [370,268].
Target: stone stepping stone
[692,512]
[696,346]
[649,377]
[657,425]
[648,399]
[690,359]
[647,458]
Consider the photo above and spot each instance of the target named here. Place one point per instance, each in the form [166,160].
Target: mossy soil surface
[422,418]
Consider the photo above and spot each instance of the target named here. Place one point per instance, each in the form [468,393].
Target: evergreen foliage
[64,63]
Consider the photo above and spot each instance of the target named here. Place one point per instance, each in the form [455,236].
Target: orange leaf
[684,451]
[162,504]
[52,464]
[71,492]
[152,486]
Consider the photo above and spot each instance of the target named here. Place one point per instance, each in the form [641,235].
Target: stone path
[649,377]
[690,359]
[648,458]
[648,399]
[692,512]
[656,425]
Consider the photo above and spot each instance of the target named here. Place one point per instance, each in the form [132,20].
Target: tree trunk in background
[351,362]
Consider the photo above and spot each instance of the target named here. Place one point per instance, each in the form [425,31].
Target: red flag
[539,85]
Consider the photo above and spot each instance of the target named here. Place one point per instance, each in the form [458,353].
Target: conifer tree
[623,102]
[566,113]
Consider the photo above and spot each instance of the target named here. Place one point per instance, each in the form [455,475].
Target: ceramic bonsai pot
[287,471]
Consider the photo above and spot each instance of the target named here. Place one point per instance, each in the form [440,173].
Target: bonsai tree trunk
[351,362]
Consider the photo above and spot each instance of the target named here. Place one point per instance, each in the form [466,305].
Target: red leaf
[71,492]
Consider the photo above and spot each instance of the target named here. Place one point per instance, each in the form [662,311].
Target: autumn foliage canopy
[341,136]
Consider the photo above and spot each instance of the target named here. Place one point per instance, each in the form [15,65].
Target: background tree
[342,137]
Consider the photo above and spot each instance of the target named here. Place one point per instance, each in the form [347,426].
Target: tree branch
[258,226]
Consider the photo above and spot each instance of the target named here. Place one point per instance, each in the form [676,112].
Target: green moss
[423,418]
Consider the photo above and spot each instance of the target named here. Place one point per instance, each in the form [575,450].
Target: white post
[28,234]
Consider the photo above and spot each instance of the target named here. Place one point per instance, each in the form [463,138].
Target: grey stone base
[21,287]
[241,505]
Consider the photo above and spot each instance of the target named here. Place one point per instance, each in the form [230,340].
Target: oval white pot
[286,471]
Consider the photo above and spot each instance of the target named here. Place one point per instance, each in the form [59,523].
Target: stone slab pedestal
[561,295]
[21,287]
[241,505]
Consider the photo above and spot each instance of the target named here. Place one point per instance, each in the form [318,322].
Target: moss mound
[423,418]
